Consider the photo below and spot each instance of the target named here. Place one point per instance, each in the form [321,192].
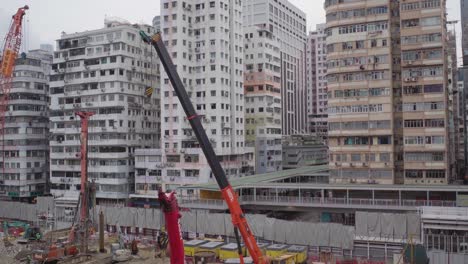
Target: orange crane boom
[10,52]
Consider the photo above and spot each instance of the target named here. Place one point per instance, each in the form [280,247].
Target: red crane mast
[84,191]
[10,52]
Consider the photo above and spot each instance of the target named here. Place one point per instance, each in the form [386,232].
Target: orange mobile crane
[238,218]
[11,49]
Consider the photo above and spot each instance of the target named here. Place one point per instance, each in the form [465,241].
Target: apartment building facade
[387,81]
[316,68]
[425,92]
[205,41]
[262,82]
[464,27]
[26,157]
[108,72]
[361,111]
[288,24]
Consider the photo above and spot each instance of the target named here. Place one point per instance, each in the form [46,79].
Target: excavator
[169,201]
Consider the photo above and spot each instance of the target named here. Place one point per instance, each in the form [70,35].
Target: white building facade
[25,160]
[288,24]
[316,68]
[105,71]
[262,81]
[205,41]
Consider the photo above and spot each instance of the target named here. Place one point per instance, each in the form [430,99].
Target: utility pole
[84,192]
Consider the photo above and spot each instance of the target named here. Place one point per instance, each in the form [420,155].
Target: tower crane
[10,51]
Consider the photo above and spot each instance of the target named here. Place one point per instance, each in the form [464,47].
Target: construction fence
[388,225]
[280,231]
[27,212]
[368,224]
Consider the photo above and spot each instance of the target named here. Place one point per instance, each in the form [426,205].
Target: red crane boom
[10,52]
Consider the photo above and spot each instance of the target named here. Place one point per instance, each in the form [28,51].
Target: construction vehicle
[238,219]
[10,53]
[30,234]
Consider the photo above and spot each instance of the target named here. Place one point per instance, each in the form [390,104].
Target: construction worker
[134,247]
[162,242]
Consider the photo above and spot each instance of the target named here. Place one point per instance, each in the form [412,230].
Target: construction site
[281,217]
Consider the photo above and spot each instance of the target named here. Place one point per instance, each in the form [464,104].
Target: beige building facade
[387,92]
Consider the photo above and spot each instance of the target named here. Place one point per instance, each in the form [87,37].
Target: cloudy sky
[46,19]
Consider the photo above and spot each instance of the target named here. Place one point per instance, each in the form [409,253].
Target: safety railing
[317,201]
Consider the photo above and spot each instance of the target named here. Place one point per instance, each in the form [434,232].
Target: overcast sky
[46,19]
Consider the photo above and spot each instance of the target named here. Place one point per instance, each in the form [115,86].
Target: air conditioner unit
[351,164]
[407,79]
[103,89]
[352,180]
[414,79]
[172,179]
[409,62]
[365,164]
[182,151]
[386,163]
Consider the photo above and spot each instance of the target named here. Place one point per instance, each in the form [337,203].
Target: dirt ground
[145,255]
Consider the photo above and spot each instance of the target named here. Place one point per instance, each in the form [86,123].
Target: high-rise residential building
[425,86]
[317,93]
[388,94]
[205,41]
[108,72]
[26,145]
[288,24]
[262,82]
[453,116]
[462,123]
[464,27]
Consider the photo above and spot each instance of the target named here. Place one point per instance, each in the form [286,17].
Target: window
[430,21]
[435,174]
[434,122]
[433,88]
[414,174]
[384,140]
[356,157]
[356,141]
[414,123]
[384,157]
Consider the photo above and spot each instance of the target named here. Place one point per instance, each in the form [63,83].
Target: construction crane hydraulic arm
[238,218]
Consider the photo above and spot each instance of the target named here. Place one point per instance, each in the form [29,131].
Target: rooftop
[270,177]
[271,181]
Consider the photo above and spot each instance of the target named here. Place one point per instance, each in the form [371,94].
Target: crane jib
[227,191]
